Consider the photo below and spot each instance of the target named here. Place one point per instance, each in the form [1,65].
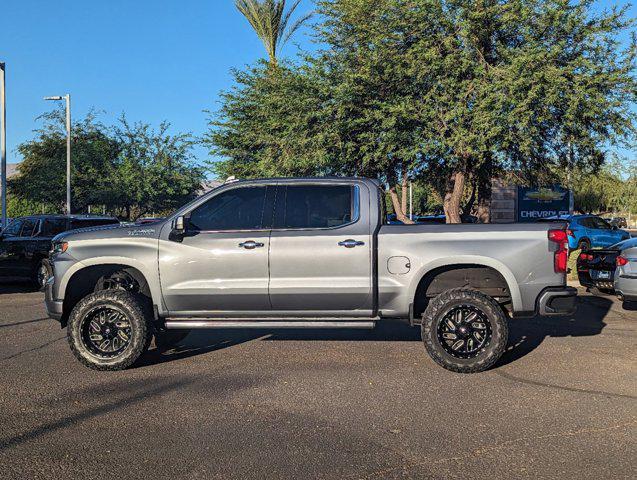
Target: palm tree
[270,22]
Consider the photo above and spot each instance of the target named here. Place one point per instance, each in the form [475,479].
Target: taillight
[561,254]
[585,256]
[621,261]
[570,233]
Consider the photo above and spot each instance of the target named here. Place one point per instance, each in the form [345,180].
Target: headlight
[59,247]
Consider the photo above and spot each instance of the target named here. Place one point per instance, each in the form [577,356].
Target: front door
[9,248]
[320,250]
[220,265]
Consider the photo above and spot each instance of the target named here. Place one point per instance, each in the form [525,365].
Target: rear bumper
[557,301]
[626,287]
[54,308]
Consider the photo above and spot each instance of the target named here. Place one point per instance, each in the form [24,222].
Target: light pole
[67,97]
[3,145]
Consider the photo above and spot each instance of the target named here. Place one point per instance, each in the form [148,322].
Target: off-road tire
[137,313]
[444,303]
[36,279]
[169,338]
[584,245]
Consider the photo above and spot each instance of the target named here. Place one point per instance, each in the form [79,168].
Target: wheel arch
[481,273]
[82,280]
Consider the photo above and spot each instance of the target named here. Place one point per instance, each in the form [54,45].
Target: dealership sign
[543,202]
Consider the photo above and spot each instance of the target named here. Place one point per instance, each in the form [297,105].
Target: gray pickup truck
[303,253]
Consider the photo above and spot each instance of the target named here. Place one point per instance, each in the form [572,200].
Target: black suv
[25,243]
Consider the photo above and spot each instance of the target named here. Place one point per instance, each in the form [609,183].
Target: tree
[128,169]
[42,172]
[450,91]
[270,124]
[155,169]
[271,22]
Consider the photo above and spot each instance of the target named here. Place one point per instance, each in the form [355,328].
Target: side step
[205,324]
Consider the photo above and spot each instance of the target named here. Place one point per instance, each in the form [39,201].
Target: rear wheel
[464,330]
[109,330]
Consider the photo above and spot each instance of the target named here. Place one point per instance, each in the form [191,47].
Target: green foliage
[18,207]
[42,176]
[270,124]
[271,22]
[611,189]
[130,170]
[449,90]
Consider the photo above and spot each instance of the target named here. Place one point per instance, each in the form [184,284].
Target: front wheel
[464,330]
[41,273]
[109,330]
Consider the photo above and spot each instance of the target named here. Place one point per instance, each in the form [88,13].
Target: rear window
[53,226]
[315,206]
[28,227]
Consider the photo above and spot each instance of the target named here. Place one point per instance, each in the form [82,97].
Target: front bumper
[54,308]
[557,301]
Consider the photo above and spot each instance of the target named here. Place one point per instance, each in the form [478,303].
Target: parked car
[596,268]
[613,269]
[25,243]
[590,231]
[303,253]
[619,222]
[625,281]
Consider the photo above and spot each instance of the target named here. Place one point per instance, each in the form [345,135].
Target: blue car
[590,231]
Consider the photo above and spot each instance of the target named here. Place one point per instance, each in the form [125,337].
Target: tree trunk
[485,175]
[404,186]
[484,205]
[453,197]
[401,216]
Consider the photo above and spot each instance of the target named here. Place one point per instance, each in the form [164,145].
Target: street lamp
[67,97]
[3,146]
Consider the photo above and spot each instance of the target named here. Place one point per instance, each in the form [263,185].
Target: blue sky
[159,60]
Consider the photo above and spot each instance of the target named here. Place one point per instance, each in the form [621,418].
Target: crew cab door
[320,250]
[220,264]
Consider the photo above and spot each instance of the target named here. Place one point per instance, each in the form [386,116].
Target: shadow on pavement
[525,335]
[16,286]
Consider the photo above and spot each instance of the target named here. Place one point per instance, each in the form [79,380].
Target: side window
[13,229]
[315,206]
[584,222]
[53,226]
[28,227]
[237,209]
[601,224]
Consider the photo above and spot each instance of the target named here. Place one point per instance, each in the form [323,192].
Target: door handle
[251,245]
[351,243]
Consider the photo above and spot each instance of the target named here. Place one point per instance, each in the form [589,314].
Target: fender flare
[151,277]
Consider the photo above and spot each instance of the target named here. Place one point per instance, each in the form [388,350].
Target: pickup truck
[303,253]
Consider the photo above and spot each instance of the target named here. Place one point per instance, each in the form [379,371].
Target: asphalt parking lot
[324,404]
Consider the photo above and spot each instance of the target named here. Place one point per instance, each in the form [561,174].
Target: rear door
[320,250]
[220,266]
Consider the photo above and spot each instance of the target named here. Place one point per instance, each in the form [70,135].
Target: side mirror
[180,224]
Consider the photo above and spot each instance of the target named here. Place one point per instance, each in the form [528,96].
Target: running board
[205,324]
